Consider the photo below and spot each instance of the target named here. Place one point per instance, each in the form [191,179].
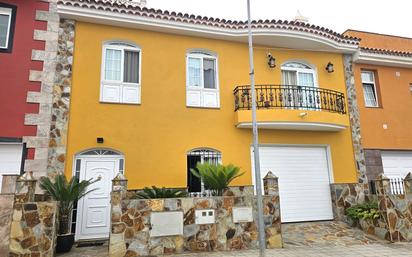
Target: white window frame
[8,12]
[120,83]
[373,83]
[201,91]
[302,70]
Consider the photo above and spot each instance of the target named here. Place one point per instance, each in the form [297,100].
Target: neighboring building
[383,77]
[25,90]
[154,92]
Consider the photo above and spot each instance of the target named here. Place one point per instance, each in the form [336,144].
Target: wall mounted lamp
[329,67]
[271,61]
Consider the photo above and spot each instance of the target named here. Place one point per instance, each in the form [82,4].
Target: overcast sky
[383,16]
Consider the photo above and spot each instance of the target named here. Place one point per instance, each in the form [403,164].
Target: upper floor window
[7,21]
[202,87]
[121,73]
[299,74]
[369,88]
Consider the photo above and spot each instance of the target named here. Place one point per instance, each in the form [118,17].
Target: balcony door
[300,86]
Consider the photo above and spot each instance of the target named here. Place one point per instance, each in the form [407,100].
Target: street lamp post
[258,180]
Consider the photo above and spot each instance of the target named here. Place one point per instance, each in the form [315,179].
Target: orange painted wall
[374,40]
[395,109]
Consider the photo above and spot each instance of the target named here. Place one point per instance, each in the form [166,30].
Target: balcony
[291,108]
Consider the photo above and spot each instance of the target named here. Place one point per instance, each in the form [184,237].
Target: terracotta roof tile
[386,52]
[133,8]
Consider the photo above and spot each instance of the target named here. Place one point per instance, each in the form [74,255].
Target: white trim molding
[365,57]
[285,125]
[280,36]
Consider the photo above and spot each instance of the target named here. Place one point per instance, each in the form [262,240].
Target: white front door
[93,213]
[304,181]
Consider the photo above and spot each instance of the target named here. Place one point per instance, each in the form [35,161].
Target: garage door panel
[10,159]
[304,183]
[396,163]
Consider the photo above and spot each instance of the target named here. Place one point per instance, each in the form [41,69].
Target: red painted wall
[14,70]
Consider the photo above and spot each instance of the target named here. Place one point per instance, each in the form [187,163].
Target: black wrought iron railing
[290,97]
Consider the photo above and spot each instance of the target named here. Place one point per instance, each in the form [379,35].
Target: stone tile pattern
[33,229]
[323,233]
[42,119]
[130,223]
[6,211]
[61,98]
[396,210]
[395,223]
[373,161]
[354,117]
[347,195]
[130,230]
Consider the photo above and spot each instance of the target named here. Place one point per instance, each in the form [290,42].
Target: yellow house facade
[153,93]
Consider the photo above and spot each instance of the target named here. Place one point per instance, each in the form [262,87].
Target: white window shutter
[110,93]
[131,94]
[193,98]
[210,98]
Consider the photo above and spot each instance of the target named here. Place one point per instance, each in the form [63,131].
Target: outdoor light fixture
[271,61]
[100,140]
[329,67]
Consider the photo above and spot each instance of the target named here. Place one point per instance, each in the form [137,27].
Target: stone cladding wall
[354,117]
[61,98]
[42,119]
[395,223]
[130,224]
[6,212]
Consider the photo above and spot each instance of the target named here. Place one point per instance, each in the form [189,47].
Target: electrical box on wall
[206,216]
[242,214]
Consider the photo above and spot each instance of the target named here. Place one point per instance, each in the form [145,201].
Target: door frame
[83,158]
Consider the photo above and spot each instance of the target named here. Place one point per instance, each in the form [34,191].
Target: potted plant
[65,192]
[216,177]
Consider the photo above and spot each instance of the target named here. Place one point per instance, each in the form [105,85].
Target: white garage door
[10,159]
[396,163]
[304,182]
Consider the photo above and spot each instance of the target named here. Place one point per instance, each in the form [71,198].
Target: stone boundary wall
[131,224]
[33,229]
[395,223]
[130,229]
[6,213]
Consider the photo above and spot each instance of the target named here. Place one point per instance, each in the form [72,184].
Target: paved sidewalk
[308,239]
[375,250]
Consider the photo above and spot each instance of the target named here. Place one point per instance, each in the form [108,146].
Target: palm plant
[155,192]
[66,192]
[216,177]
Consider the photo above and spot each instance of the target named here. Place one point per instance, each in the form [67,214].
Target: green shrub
[66,192]
[216,177]
[155,192]
[368,210]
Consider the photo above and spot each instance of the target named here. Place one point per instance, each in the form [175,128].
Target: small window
[369,88]
[410,87]
[121,74]
[202,88]
[7,21]
[194,184]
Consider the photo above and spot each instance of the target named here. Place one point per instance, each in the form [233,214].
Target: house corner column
[42,119]
[354,117]
[61,98]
